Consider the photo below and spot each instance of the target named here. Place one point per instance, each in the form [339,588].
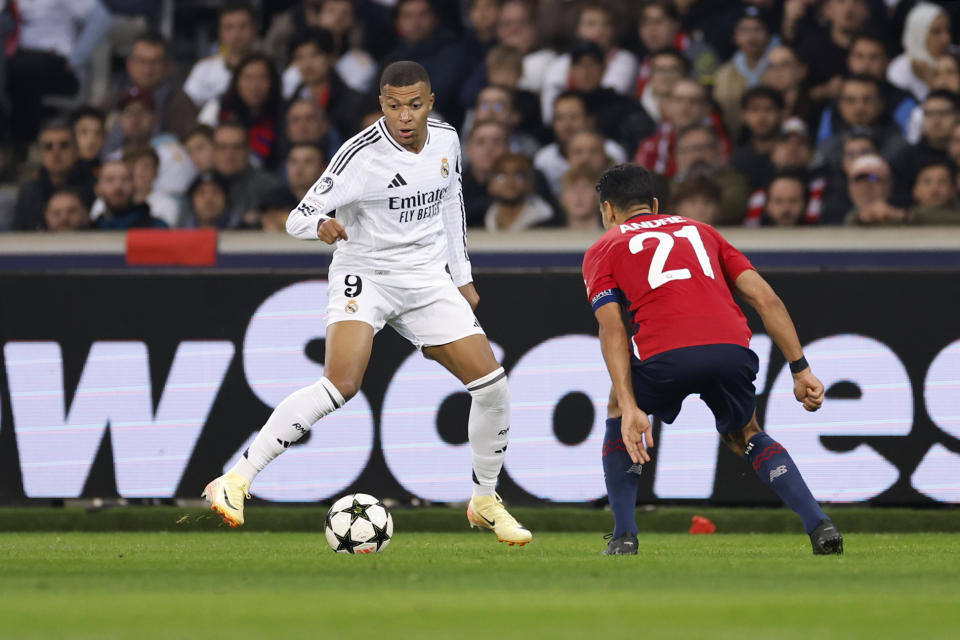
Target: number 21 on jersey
[665,243]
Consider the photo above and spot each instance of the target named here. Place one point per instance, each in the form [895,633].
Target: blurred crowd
[750,112]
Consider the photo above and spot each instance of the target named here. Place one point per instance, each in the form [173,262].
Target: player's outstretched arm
[760,295]
[615,345]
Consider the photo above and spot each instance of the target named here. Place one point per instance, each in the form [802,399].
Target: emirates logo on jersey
[444,167]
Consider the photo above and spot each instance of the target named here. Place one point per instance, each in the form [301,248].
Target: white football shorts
[426,316]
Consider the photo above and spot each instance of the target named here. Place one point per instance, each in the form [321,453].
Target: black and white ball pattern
[358,523]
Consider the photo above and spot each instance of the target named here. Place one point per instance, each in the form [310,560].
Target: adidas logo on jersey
[398,181]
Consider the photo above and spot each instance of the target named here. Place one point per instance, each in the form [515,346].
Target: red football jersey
[676,275]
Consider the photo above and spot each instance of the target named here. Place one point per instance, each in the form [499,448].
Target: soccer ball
[358,523]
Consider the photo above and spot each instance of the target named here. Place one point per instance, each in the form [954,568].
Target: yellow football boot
[226,495]
[489,512]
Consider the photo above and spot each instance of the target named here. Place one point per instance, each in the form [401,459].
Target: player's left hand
[637,435]
[469,292]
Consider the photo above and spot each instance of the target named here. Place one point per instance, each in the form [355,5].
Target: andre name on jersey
[402,211]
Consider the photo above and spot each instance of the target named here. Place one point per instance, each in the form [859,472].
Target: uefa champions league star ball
[358,523]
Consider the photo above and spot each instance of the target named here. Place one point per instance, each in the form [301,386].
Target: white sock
[487,428]
[289,422]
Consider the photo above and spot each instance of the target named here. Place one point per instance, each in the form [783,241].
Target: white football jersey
[402,211]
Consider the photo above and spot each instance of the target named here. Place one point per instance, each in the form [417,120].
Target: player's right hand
[331,231]
[637,435]
[808,389]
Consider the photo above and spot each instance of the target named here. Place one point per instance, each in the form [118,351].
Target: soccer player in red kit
[676,276]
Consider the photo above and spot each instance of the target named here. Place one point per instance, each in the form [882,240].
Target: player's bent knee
[346,386]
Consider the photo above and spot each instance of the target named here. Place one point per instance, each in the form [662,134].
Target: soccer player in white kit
[401,259]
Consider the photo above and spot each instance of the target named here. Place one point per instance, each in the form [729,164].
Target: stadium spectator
[515,204]
[870,187]
[792,153]
[274,208]
[667,67]
[824,49]
[953,146]
[935,194]
[578,197]
[745,70]
[947,78]
[354,65]
[617,116]
[199,145]
[148,69]
[208,202]
[312,77]
[787,73]
[941,113]
[305,163]
[595,23]
[868,56]
[231,159]
[570,118]
[59,169]
[517,29]
[237,35]
[860,106]
[496,103]
[503,67]
[786,203]
[699,199]
[144,166]
[115,188]
[481,32]
[699,154]
[89,130]
[66,211]
[659,28]
[762,109]
[585,151]
[487,141]
[254,100]
[926,37]
[48,55]
[138,118]
[425,41]
[686,105]
[306,123]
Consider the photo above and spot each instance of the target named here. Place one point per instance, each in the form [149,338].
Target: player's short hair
[136,152]
[762,92]
[404,74]
[87,111]
[625,186]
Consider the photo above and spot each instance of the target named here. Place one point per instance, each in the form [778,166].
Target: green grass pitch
[228,584]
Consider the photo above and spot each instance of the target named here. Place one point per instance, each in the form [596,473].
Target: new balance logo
[398,181]
[779,471]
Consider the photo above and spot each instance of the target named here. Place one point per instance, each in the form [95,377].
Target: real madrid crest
[351,306]
[444,167]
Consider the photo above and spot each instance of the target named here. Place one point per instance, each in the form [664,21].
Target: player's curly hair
[626,186]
